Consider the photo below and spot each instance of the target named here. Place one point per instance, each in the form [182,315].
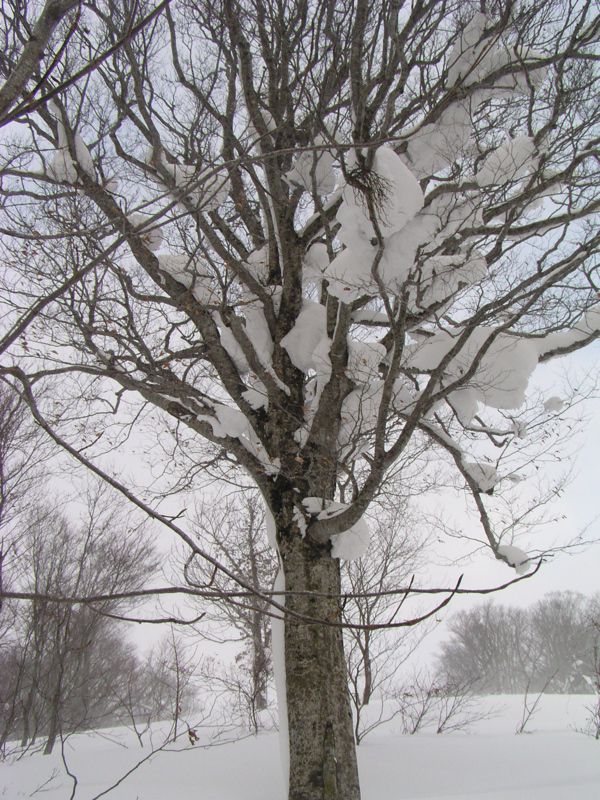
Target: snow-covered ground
[552,762]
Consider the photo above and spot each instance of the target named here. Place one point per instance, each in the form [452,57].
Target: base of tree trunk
[321,739]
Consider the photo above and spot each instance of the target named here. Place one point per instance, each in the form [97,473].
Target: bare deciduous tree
[234,532]
[63,660]
[171,670]
[373,655]
[313,236]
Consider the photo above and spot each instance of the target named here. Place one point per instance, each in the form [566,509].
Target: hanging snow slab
[402,199]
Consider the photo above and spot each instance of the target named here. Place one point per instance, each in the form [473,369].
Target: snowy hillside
[552,762]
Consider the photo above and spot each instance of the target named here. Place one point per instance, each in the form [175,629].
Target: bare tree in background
[65,658]
[172,669]
[22,455]
[312,236]
[233,531]
[374,656]
[593,676]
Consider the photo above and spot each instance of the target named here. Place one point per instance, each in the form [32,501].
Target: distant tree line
[67,667]
[505,649]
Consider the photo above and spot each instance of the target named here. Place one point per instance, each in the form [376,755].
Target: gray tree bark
[322,748]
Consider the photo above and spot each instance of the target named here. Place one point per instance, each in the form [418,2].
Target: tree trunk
[55,711]
[260,663]
[53,727]
[366,655]
[321,738]
[27,711]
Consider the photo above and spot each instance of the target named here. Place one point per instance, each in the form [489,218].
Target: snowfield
[490,762]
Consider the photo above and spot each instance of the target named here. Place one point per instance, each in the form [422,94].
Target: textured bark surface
[322,749]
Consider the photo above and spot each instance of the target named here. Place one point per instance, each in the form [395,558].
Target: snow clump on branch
[347,545]
[516,557]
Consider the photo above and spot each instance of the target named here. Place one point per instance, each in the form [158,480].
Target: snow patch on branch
[473,59]
[400,200]
[477,54]
[470,56]
[207,189]
[313,170]
[316,262]
[189,273]
[510,161]
[349,545]
[435,145]
[484,474]
[364,360]
[62,166]
[516,557]
[257,264]
[152,238]
[502,374]
[308,331]
[256,394]
[231,346]
[587,326]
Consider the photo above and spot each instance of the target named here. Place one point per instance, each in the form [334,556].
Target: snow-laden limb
[399,199]
[470,57]
[558,343]
[348,545]
[313,170]
[191,274]
[504,366]
[509,162]
[301,342]
[228,422]
[231,346]
[231,422]
[485,475]
[308,348]
[63,166]
[315,263]
[399,195]
[256,395]
[479,53]
[364,361]
[352,544]
[257,265]
[475,57]
[515,557]
[465,404]
[206,189]
[152,237]
[349,274]
[258,333]
[247,340]
[411,258]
